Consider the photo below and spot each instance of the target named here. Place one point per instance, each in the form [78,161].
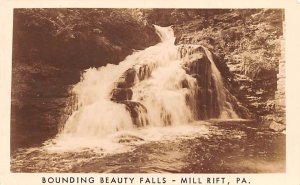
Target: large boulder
[121,94]
[197,64]
[127,79]
[138,113]
[277,127]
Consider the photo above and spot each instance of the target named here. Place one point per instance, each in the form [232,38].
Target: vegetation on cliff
[79,38]
[250,37]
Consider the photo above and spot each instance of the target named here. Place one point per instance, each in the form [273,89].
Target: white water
[98,119]
[162,94]
[225,107]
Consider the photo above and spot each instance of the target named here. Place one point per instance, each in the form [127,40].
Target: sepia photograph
[133,90]
[148,90]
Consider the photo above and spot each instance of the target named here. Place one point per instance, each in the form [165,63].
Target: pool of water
[197,148]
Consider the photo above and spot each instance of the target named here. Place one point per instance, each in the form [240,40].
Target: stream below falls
[197,148]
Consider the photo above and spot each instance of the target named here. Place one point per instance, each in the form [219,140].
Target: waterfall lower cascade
[159,86]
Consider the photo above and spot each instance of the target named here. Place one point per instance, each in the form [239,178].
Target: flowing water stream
[150,113]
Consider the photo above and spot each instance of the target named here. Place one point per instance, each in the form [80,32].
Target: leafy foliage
[248,36]
[80,37]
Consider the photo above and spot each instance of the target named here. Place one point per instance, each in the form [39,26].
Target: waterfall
[226,110]
[161,85]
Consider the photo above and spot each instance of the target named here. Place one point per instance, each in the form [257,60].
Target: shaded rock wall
[278,122]
[280,105]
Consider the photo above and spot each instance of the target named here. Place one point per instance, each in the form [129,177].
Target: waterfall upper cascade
[161,85]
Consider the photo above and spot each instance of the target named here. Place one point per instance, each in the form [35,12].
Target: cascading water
[161,85]
[226,110]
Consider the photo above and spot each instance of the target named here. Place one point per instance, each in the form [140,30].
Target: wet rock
[138,113]
[197,64]
[185,84]
[166,117]
[241,110]
[127,79]
[122,91]
[144,71]
[129,138]
[121,94]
